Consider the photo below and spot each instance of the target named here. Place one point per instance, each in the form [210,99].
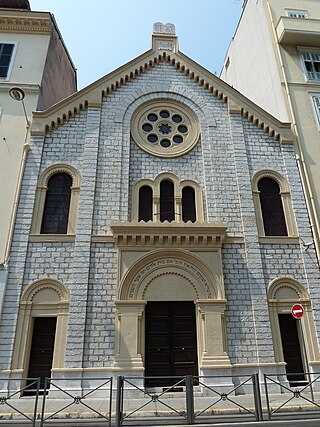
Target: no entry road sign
[297,311]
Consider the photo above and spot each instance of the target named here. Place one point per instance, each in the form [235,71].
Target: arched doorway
[294,341]
[40,341]
[170,316]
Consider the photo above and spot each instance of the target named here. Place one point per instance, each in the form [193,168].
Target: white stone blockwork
[197,271]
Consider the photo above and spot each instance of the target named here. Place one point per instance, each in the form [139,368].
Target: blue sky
[102,35]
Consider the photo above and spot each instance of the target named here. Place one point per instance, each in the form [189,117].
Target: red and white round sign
[297,311]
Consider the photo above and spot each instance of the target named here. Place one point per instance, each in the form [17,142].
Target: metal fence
[187,400]
[61,397]
[206,392]
[281,397]
[12,404]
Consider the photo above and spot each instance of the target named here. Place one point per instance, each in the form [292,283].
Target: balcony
[298,32]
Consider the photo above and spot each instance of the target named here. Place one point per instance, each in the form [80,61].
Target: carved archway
[190,273]
[44,297]
[283,293]
[171,275]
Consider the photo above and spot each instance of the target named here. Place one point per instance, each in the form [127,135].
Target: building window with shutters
[56,203]
[273,206]
[167,199]
[299,14]
[6,54]
[316,105]
[311,63]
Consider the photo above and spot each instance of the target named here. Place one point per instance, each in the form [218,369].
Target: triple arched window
[56,202]
[167,199]
[273,205]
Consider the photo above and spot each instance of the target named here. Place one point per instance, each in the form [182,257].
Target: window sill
[48,238]
[279,240]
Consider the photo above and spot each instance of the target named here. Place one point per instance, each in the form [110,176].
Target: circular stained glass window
[165,128]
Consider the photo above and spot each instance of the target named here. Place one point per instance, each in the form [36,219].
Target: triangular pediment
[92,95]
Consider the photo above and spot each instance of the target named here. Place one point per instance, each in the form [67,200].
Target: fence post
[257,397]
[119,401]
[189,399]
[46,380]
[36,403]
[110,401]
[267,396]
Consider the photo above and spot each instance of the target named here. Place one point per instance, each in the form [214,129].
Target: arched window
[167,201]
[271,207]
[57,204]
[188,205]
[166,198]
[145,203]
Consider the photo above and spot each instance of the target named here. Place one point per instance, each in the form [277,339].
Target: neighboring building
[159,195]
[33,58]
[274,59]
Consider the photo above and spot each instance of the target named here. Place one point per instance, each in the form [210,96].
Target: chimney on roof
[15,4]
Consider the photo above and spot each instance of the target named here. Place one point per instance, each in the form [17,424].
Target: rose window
[165,129]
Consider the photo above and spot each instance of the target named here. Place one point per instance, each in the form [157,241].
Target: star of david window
[165,128]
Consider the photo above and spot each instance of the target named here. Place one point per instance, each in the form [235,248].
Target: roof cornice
[16,21]
[93,94]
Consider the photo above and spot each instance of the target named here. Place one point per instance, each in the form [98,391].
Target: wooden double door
[171,343]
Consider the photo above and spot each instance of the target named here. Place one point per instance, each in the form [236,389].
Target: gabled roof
[164,49]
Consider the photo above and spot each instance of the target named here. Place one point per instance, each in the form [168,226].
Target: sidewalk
[157,408]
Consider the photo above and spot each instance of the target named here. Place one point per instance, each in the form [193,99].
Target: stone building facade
[274,59]
[36,71]
[159,233]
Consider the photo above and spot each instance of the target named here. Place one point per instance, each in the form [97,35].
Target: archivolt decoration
[286,283]
[205,282]
[54,286]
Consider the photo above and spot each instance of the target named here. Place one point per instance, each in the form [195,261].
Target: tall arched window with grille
[145,203]
[188,204]
[274,221]
[167,201]
[57,205]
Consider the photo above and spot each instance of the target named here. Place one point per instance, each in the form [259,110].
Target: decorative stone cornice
[25,22]
[93,94]
[167,234]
